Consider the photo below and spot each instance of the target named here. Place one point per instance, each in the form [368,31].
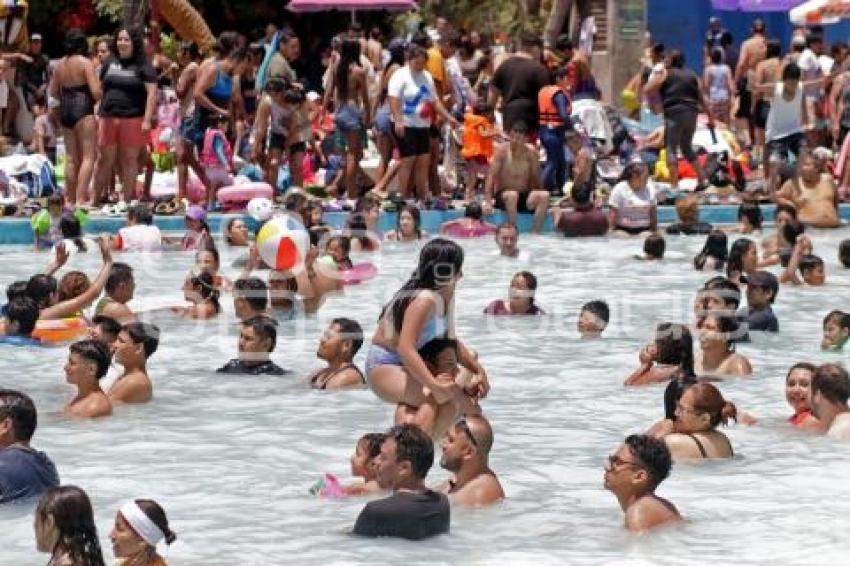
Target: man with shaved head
[466,451]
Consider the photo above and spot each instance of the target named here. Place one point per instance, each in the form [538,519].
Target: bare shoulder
[650,512]
[483,490]
[682,447]
[346,379]
[840,427]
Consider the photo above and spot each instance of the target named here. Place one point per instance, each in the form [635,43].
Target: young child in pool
[836,329]
[593,319]
[197,230]
[653,248]
[207,259]
[338,249]
[46,223]
[200,291]
[363,464]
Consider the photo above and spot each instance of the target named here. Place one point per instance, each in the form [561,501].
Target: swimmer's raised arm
[72,307]
[60,259]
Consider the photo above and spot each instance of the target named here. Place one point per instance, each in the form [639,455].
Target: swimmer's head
[675,346]
[721,294]
[72,285]
[407,455]
[43,290]
[784,214]
[830,389]
[791,76]
[16,289]
[88,360]
[408,222]
[207,259]
[201,287]
[521,291]
[440,355]
[126,542]
[702,408]
[673,392]
[250,297]
[21,315]
[844,253]
[716,248]
[507,237]
[798,386]
[687,208]
[593,318]
[315,213]
[638,466]
[64,513]
[467,443]
[135,344]
[836,328]
[55,204]
[105,330]
[654,246]
[139,214]
[473,211]
[341,341]
[762,287]
[719,330]
[749,214]
[236,232]
[18,417]
[339,248]
[812,270]
[367,450]
[257,339]
[120,285]
[743,257]
[791,230]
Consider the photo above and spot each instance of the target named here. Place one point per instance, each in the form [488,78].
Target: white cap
[312,96]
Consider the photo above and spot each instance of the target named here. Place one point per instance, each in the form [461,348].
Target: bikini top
[222,89]
[702,451]
[436,327]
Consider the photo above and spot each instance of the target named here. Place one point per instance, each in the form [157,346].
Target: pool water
[231,458]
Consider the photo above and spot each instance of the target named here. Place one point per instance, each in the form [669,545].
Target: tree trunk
[555,21]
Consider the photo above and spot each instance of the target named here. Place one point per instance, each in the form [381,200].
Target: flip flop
[162,208]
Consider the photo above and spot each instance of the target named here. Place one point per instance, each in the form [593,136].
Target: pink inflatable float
[236,197]
[358,273]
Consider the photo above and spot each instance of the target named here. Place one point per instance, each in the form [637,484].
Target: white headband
[141,523]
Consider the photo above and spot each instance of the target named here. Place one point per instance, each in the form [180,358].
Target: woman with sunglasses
[699,412]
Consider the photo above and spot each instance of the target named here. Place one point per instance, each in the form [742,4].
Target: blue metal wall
[682,24]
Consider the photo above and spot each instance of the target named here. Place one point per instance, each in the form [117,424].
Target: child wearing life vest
[217,158]
[478,134]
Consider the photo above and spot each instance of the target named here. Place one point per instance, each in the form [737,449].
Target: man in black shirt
[517,82]
[256,342]
[413,511]
[32,73]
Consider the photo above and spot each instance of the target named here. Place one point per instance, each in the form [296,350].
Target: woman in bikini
[76,86]
[419,312]
[670,353]
[698,413]
[717,356]
[798,393]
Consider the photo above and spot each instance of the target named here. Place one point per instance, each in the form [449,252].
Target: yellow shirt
[437,68]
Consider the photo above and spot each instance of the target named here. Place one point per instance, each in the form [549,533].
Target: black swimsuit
[702,448]
[321,379]
[75,103]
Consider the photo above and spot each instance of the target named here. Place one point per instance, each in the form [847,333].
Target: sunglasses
[464,427]
[615,462]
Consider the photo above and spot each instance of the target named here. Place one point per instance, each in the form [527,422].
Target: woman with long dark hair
[188,57]
[670,354]
[717,354]
[520,297]
[77,88]
[384,139]
[408,226]
[714,253]
[423,309]
[126,112]
[64,528]
[743,259]
[351,109]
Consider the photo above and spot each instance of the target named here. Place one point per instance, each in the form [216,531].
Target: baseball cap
[196,212]
[35,37]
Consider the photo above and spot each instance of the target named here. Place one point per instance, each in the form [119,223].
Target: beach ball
[283,243]
[40,222]
[260,209]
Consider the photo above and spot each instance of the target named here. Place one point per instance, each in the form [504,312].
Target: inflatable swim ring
[238,196]
[476,231]
[358,273]
[61,330]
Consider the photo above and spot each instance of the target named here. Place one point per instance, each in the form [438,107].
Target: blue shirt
[759,320]
[25,473]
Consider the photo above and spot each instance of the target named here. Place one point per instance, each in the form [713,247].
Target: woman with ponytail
[671,353]
[699,412]
[64,528]
[419,312]
[201,291]
[139,526]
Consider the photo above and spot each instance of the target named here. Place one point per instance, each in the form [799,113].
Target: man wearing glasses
[632,474]
[466,449]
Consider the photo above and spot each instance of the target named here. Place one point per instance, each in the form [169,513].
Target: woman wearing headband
[139,526]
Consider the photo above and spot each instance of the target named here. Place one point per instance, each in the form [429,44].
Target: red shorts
[124,132]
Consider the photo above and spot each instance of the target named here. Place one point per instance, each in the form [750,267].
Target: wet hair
[728,327]
[715,247]
[809,262]
[95,352]
[344,243]
[473,210]
[210,250]
[414,446]
[673,392]
[372,442]
[73,519]
[138,57]
[758,25]
[205,281]
[792,230]
[227,41]
[675,346]
[507,225]
[844,253]
[736,256]
[582,193]
[752,212]
[265,328]
[729,292]
[439,260]
[708,399]
[145,334]
[842,319]
[676,58]
[653,454]
[254,290]
[791,72]
[156,514]
[716,56]
[801,365]
[350,330]
[832,382]
[16,289]
[417,219]
[72,285]
[140,214]
[433,348]
[599,309]
[108,324]
[39,289]
[774,48]
[76,43]
[654,246]
[349,54]
[765,280]
[22,314]
[71,230]
[119,273]
[19,408]
[530,282]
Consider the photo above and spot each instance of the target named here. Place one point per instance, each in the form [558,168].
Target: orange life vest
[474,144]
[549,115]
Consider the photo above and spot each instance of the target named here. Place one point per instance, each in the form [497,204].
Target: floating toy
[283,243]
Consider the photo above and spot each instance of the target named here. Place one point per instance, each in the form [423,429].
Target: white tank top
[785,117]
